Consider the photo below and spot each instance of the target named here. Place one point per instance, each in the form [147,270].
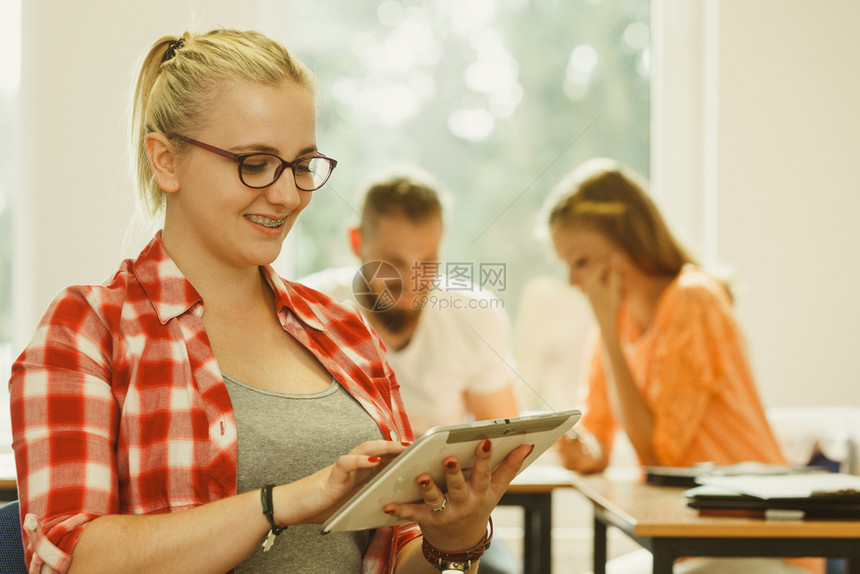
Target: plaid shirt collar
[172,295]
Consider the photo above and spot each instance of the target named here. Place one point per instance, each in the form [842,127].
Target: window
[497,98]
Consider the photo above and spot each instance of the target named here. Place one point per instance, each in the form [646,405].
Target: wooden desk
[532,490]
[659,519]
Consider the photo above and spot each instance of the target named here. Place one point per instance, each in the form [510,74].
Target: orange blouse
[691,367]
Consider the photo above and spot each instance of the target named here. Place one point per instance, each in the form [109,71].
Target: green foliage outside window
[498,99]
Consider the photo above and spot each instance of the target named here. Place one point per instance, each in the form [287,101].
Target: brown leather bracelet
[457,561]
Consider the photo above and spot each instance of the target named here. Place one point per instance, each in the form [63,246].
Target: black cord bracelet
[269,513]
[269,508]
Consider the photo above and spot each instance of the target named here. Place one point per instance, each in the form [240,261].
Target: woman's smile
[266,221]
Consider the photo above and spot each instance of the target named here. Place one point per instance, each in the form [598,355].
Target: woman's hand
[314,498]
[466,507]
[604,288]
[575,455]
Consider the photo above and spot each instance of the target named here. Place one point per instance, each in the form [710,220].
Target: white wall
[756,143]
[77,70]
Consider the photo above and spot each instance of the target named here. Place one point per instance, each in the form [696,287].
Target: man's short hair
[404,191]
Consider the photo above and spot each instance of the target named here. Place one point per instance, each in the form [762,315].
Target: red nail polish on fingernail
[424,483]
[486,446]
[531,448]
[451,464]
[404,443]
[373,459]
[389,511]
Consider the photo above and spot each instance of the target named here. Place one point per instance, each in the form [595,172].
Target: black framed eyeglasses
[258,170]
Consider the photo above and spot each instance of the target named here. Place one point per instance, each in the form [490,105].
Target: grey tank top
[283,438]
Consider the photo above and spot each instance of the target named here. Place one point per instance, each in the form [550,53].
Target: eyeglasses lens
[261,170]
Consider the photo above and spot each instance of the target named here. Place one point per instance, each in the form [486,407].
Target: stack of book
[793,496]
[689,476]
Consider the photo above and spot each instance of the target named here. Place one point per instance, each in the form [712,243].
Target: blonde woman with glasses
[198,413]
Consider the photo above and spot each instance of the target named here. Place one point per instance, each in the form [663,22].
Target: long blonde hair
[179,78]
[608,197]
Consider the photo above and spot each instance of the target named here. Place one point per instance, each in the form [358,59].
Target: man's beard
[394,319]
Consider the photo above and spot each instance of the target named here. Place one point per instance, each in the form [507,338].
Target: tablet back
[396,483]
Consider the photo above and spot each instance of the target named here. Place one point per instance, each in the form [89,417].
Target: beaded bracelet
[457,561]
[269,513]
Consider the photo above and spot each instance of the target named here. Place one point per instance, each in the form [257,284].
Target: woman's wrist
[457,560]
[287,507]
[609,331]
[460,540]
[456,543]
[294,503]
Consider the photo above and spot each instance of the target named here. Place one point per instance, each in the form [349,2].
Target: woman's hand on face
[316,497]
[604,288]
[462,522]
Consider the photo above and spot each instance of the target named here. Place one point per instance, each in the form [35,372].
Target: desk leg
[663,562]
[537,526]
[545,543]
[531,558]
[537,553]
[852,565]
[599,546]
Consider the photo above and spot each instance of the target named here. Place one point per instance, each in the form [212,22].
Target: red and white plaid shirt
[118,405]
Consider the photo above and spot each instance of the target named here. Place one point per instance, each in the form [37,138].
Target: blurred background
[498,99]
[743,115]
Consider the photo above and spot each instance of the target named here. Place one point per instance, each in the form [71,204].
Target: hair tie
[172,48]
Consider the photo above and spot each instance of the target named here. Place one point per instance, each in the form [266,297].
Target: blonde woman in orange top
[670,368]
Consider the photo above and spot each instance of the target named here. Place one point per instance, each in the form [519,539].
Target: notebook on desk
[810,495]
[687,476]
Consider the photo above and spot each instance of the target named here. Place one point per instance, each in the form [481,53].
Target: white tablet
[396,482]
